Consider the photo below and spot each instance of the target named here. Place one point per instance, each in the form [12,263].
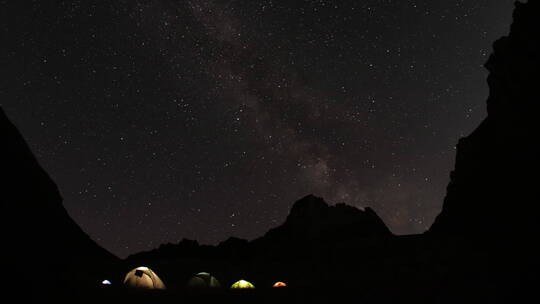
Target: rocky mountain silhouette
[38,235]
[492,189]
[490,211]
[311,222]
[482,247]
[311,219]
[313,234]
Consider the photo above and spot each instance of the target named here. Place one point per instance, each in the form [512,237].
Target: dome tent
[279,284]
[242,284]
[203,280]
[144,278]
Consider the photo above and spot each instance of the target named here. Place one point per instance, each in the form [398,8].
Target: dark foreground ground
[288,295]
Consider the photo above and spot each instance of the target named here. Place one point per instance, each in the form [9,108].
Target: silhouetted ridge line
[492,192]
[311,220]
[37,232]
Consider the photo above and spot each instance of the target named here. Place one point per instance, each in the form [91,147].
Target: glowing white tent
[143,277]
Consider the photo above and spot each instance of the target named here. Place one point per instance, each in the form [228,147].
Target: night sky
[204,119]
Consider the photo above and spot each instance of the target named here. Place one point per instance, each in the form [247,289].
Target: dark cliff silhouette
[481,247]
[492,189]
[491,209]
[45,248]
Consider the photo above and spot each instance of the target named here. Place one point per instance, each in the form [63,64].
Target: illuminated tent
[143,277]
[242,284]
[203,280]
[279,284]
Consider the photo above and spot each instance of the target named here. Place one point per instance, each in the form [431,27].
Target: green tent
[203,280]
[242,284]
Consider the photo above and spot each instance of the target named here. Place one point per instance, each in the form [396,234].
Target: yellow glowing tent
[242,284]
[143,277]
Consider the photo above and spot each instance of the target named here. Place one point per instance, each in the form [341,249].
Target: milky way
[170,119]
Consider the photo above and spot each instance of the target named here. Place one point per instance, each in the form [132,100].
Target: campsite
[223,207]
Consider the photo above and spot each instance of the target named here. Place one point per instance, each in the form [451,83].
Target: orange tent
[280,284]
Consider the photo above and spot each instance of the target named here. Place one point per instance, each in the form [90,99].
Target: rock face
[492,192]
[38,235]
[490,216]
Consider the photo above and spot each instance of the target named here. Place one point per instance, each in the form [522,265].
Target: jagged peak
[314,214]
[314,207]
[307,206]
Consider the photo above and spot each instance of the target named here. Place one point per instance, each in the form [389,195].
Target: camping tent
[203,280]
[280,284]
[143,277]
[242,284]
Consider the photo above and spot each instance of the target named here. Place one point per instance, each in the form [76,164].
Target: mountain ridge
[491,182]
[38,231]
[310,219]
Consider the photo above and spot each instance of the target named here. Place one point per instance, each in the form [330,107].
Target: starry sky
[203,119]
